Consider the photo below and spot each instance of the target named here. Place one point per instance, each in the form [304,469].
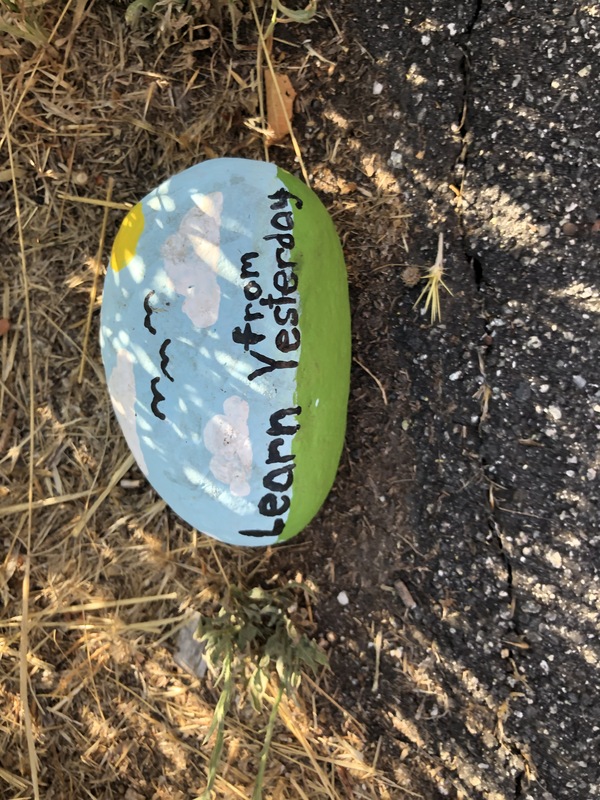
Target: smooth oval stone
[225,337]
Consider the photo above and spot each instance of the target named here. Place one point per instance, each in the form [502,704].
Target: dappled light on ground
[462,526]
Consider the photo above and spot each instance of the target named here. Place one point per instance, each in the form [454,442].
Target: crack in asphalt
[474,17]
[462,129]
[519,784]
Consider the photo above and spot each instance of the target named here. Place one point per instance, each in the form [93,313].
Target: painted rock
[225,337]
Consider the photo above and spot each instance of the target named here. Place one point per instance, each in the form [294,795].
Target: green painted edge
[323,370]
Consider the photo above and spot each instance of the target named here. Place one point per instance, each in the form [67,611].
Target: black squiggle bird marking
[157,398]
[149,311]
[165,359]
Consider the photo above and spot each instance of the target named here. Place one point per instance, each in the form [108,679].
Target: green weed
[253,646]
[137,7]
[19,19]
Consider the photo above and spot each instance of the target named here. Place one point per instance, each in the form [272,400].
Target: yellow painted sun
[127,239]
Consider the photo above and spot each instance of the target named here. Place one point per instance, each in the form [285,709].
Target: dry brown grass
[96,575]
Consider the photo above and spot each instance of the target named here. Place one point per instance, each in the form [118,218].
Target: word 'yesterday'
[284,306]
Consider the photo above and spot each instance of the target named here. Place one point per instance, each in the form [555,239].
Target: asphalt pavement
[496,141]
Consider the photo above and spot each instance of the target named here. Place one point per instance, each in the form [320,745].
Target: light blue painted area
[159,340]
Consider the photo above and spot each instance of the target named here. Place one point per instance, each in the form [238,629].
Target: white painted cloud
[121,386]
[227,437]
[191,258]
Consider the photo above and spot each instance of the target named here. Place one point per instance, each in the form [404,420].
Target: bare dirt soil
[463,525]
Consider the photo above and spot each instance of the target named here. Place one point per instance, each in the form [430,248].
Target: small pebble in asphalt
[343,599]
